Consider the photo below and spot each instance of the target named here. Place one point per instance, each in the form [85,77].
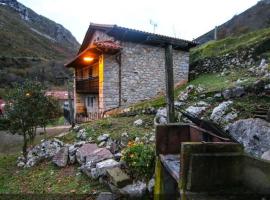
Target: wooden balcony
[89,85]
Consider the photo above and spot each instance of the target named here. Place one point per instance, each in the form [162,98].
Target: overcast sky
[186,19]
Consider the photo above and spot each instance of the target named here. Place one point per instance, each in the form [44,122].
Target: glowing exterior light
[27,94]
[88,59]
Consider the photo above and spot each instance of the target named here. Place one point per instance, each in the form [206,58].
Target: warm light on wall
[88,59]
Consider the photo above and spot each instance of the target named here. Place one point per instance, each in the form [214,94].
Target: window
[90,102]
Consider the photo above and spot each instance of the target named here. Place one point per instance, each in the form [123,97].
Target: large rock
[103,137]
[219,111]
[82,135]
[72,153]
[194,110]
[61,157]
[104,165]
[266,155]
[46,150]
[98,155]
[117,177]
[254,134]
[84,151]
[138,122]
[233,92]
[136,190]
[161,116]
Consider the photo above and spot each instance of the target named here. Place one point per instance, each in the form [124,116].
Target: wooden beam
[169,83]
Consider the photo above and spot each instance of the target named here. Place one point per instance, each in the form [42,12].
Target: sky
[185,19]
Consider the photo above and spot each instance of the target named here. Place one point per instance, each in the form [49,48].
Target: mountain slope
[255,18]
[31,46]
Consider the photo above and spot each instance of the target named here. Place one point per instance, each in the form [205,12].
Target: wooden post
[71,111]
[169,83]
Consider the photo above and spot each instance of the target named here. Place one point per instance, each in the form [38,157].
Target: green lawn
[45,178]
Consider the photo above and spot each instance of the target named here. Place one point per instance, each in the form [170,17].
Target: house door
[91,103]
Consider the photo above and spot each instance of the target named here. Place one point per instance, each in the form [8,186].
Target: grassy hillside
[254,18]
[18,40]
[258,40]
[26,53]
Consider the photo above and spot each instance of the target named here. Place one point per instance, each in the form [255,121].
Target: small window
[90,102]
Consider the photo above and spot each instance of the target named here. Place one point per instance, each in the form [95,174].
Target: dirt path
[10,144]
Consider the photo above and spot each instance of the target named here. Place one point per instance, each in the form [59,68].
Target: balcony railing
[89,85]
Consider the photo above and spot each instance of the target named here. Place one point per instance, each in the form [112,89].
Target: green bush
[140,159]
[3,123]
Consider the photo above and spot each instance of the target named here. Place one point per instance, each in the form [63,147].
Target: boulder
[136,190]
[103,137]
[178,104]
[84,151]
[161,116]
[219,111]
[138,122]
[112,146]
[82,134]
[195,110]
[98,155]
[61,157]
[104,165]
[227,94]
[238,91]
[253,133]
[72,153]
[201,104]
[46,150]
[266,155]
[151,185]
[117,177]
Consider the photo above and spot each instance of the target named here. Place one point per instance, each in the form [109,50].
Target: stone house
[118,66]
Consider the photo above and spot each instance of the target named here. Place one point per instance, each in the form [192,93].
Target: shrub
[140,160]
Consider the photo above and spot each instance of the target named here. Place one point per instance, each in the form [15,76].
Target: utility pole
[169,83]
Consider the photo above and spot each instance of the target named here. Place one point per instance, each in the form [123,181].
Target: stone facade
[142,74]
[139,74]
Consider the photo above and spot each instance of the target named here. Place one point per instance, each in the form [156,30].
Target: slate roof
[137,36]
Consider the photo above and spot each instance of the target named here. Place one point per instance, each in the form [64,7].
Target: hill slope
[255,18]
[32,46]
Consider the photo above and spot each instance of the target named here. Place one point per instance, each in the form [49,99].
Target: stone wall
[142,74]
[143,71]
[240,59]
[110,97]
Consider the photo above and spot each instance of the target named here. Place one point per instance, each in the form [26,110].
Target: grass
[115,126]
[43,179]
[57,122]
[231,45]
[247,105]
[210,82]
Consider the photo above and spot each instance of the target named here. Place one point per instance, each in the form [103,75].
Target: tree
[50,110]
[28,108]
